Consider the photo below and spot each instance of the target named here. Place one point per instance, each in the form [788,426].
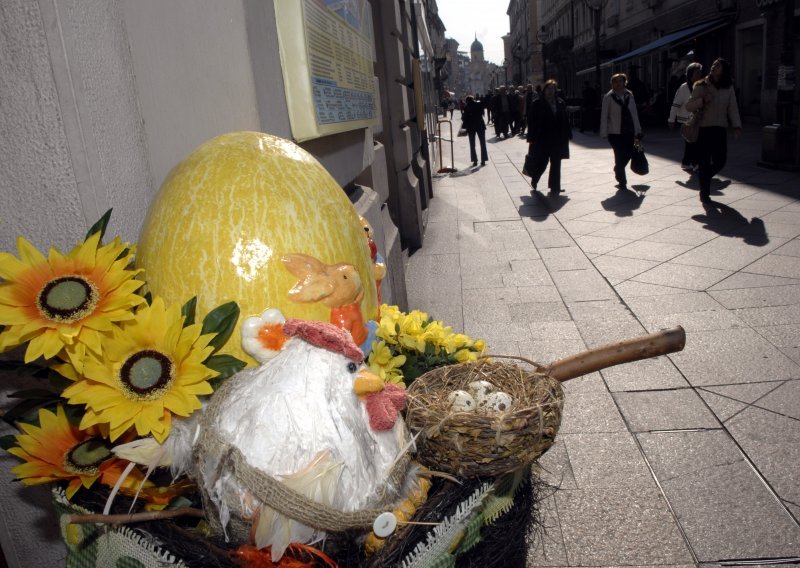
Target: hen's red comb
[325,335]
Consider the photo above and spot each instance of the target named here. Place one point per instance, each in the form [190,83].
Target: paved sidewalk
[690,459]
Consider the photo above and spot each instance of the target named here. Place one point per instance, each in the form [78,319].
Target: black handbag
[528,167]
[639,163]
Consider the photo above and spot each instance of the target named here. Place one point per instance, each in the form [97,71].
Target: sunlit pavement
[682,460]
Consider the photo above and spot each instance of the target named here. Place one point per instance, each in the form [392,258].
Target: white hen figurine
[302,418]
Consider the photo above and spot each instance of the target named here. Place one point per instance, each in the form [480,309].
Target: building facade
[654,40]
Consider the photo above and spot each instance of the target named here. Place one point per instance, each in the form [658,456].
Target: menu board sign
[327,49]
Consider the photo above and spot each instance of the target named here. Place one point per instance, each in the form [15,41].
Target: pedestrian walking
[473,123]
[501,111]
[715,98]
[678,113]
[619,122]
[549,134]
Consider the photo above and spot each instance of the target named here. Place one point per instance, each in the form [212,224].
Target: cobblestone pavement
[687,459]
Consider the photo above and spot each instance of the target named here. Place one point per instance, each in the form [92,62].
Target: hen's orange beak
[366,383]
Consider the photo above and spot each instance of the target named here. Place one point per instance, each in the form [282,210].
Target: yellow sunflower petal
[28,253]
[10,266]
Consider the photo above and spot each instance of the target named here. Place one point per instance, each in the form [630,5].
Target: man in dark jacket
[501,112]
[472,120]
[549,134]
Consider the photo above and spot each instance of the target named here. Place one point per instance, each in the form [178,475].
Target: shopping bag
[528,167]
[690,130]
[639,163]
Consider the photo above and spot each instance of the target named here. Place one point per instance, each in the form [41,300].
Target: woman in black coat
[549,134]
[472,119]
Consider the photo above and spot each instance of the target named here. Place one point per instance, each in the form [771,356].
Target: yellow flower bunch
[409,344]
[127,362]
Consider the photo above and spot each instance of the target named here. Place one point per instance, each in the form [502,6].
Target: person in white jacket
[619,122]
[679,115]
[715,97]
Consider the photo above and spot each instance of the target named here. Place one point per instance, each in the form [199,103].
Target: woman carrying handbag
[619,121]
[679,115]
[715,98]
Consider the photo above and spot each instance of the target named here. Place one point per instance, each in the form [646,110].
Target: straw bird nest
[474,443]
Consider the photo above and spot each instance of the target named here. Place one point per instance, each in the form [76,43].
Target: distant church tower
[476,50]
[478,75]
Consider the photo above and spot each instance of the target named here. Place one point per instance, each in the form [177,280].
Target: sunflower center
[86,457]
[146,374]
[67,299]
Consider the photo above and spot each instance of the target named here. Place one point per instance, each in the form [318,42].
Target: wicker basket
[473,444]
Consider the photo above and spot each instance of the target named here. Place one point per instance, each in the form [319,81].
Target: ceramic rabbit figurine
[337,286]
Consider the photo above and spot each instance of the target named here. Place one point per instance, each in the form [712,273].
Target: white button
[384,525]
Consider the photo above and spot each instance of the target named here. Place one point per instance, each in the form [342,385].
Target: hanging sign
[327,53]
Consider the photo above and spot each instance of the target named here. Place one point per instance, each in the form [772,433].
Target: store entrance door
[751,70]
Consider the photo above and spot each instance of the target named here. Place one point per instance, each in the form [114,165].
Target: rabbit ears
[340,284]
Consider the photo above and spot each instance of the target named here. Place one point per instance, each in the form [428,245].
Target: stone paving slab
[723,407]
[772,442]
[783,400]
[758,297]
[731,356]
[682,276]
[724,508]
[607,526]
[677,409]
[745,280]
[698,321]
[651,374]
[618,269]
[607,460]
[780,315]
[593,412]
[747,393]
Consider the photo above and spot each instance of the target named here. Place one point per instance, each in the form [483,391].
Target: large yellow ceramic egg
[228,213]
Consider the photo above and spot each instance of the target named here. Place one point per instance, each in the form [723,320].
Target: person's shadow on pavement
[725,220]
[623,203]
[540,204]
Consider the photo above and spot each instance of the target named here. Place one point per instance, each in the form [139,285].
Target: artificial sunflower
[57,450]
[59,301]
[151,367]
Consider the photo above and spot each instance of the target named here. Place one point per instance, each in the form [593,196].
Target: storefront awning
[664,41]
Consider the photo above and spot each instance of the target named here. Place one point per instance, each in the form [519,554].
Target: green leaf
[8,442]
[148,297]
[58,381]
[101,225]
[179,502]
[188,312]
[27,411]
[221,320]
[24,370]
[225,365]
[74,413]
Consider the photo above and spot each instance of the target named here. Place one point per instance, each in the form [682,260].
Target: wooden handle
[636,349]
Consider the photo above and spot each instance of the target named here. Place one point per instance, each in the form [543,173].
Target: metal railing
[452,168]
